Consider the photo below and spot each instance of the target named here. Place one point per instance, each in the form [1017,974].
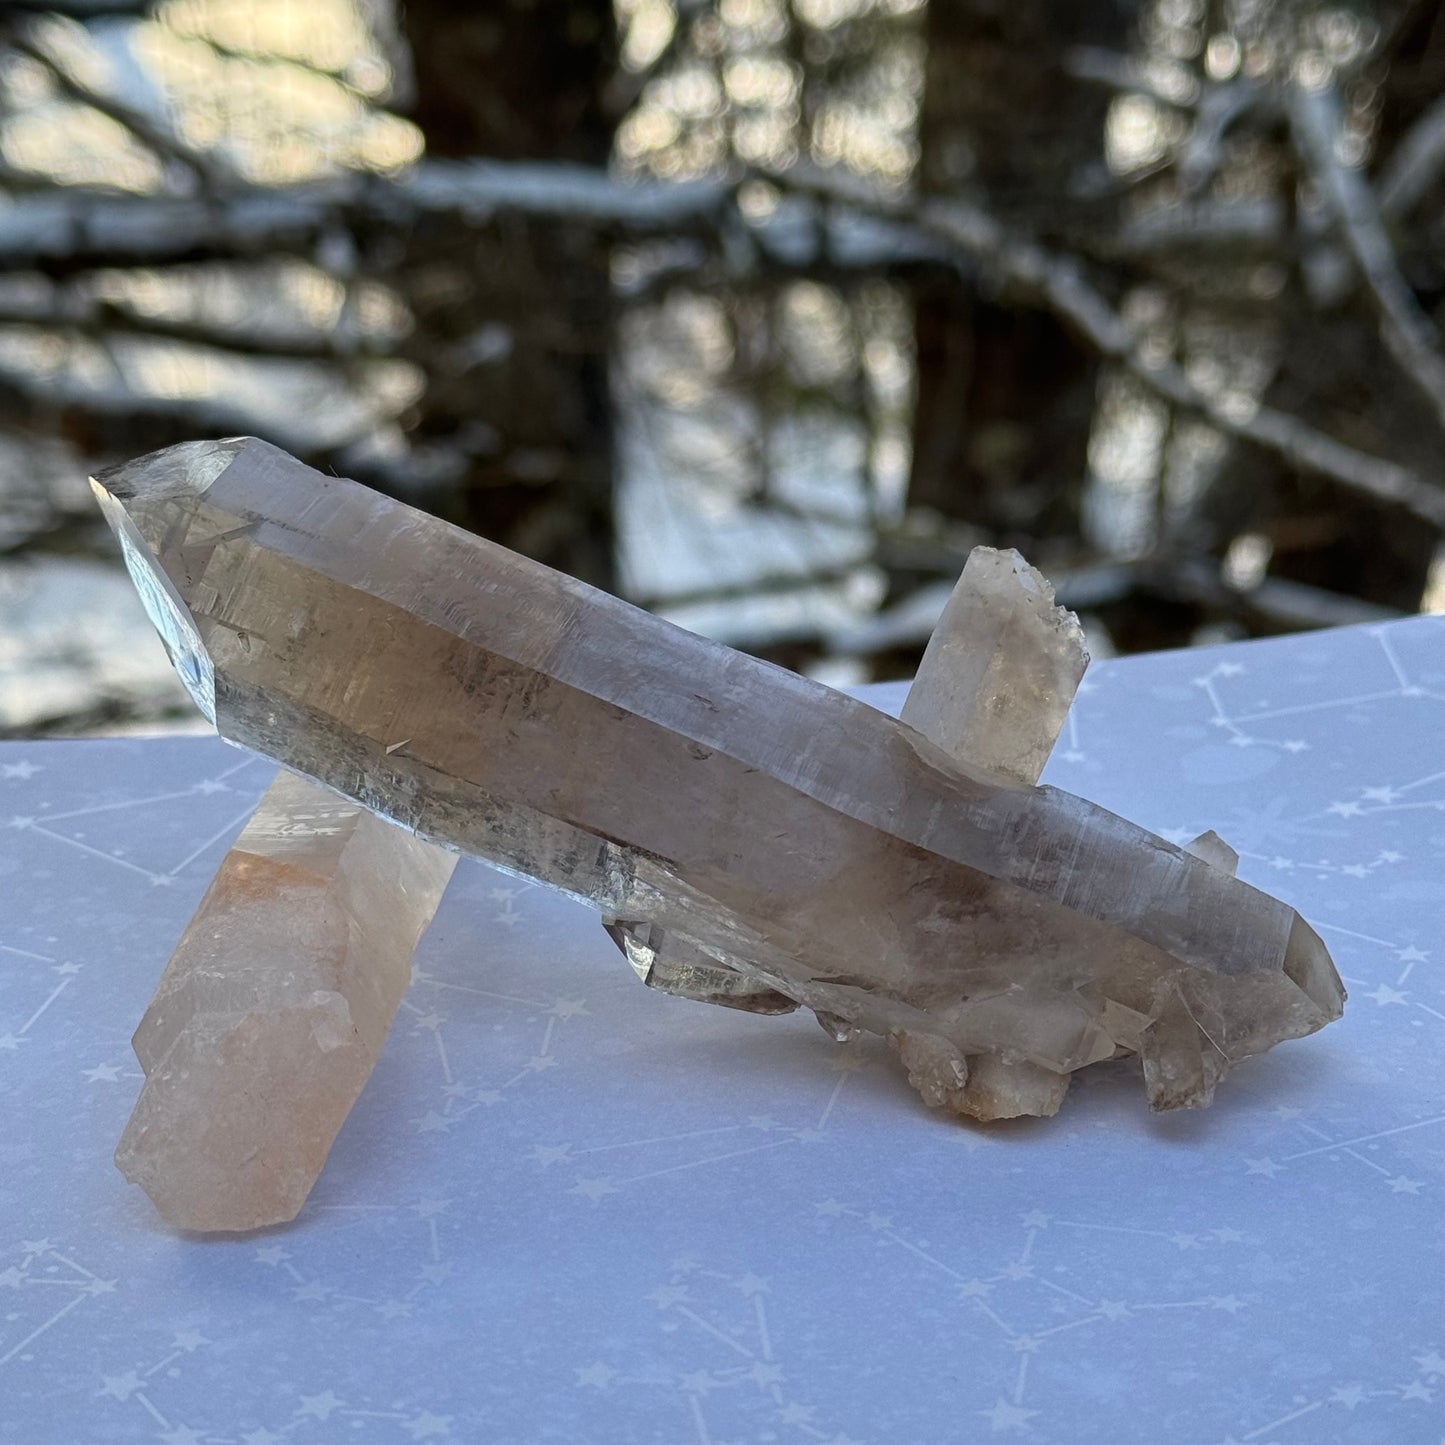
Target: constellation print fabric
[570,1208]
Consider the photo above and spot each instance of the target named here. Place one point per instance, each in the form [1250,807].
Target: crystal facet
[905,877]
[274,1007]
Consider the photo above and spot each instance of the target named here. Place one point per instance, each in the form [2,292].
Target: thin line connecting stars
[1022,1308]
[1334,1150]
[724,1354]
[736,1140]
[43,1269]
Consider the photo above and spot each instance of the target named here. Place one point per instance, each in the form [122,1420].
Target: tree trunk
[513,320]
[1005,395]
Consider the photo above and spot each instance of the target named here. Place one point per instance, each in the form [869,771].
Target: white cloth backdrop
[570,1209]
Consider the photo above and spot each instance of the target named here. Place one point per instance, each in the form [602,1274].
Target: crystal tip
[189,468]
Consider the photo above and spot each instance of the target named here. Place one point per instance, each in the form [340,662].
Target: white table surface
[569,1209]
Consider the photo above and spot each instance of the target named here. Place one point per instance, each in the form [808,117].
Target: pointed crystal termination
[763,823]
[274,1007]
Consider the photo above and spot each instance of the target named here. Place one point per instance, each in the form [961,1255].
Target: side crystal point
[274,1006]
[998,675]
[993,691]
[907,878]
[673,966]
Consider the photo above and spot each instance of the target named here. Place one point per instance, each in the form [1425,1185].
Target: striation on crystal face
[274,1006]
[755,838]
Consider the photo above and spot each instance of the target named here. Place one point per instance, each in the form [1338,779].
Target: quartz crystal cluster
[751,838]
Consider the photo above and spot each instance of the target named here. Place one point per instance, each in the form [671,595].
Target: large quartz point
[904,877]
[274,1007]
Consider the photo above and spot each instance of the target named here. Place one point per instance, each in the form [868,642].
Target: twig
[158,138]
[63,308]
[1059,282]
[1408,333]
[1123,72]
[625,87]
[1415,165]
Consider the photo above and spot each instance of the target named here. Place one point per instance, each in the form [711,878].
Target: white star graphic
[598,1376]
[1005,1416]
[320,1406]
[1385,994]
[546,1154]
[120,1387]
[102,1073]
[1267,1167]
[24,770]
[594,1189]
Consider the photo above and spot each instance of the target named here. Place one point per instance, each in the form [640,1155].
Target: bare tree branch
[76,308]
[860,227]
[1408,334]
[1058,282]
[1415,165]
[151,133]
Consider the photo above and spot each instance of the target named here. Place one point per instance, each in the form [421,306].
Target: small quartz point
[671,965]
[993,690]
[908,878]
[274,1006]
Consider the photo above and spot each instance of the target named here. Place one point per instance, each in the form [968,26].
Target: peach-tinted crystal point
[274,1007]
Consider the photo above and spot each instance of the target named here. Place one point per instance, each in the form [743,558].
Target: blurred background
[760,313]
